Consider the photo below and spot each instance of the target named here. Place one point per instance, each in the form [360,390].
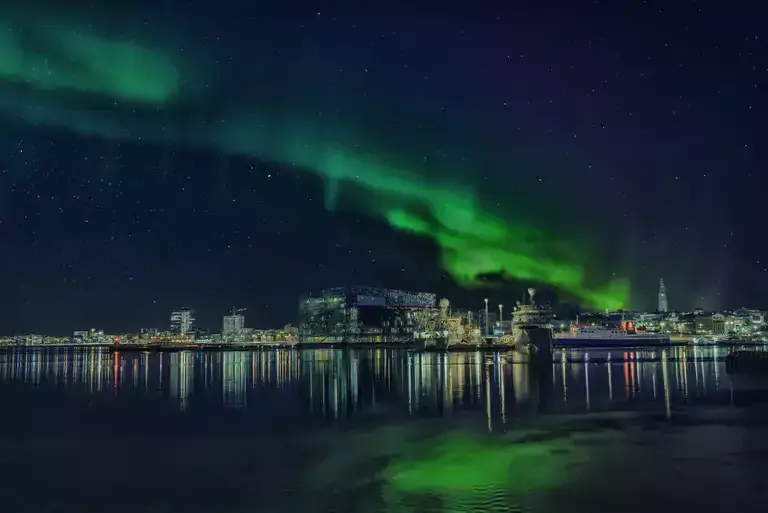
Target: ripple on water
[113,441]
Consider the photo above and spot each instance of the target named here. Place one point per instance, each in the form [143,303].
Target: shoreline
[488,348]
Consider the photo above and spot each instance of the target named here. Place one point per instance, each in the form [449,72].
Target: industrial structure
[362,315]
[368,315]
[439,327]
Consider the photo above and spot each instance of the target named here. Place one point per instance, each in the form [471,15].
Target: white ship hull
[612,341]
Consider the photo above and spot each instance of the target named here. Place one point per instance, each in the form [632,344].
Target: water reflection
[333,384]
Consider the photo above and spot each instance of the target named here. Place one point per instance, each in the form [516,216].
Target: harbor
[370,317]
[365,319]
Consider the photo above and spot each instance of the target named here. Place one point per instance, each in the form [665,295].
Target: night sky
[216,154]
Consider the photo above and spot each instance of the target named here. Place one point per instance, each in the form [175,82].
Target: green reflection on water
[461,463]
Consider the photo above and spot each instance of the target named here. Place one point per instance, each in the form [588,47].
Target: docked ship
[602,336]
[531,329]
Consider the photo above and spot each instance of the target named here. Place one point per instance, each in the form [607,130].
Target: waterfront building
[708,324]
[33,340]
[362,314]
[182,322]
[653,322]
[91,336]
[234,325]
[744,322]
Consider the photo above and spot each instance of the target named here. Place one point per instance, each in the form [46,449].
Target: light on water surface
[461,463]
[378,431]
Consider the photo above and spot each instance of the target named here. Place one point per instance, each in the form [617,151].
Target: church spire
[663,300]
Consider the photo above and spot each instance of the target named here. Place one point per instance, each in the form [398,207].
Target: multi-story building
[744,322]
[182,322]
[92,336]
[81,334]
[234,325]
[709,324]
[362,314]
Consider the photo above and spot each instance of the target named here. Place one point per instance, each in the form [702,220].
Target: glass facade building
[362,315]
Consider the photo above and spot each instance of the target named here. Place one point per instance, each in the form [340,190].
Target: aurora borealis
[65,60]
[68,59]
[515,169]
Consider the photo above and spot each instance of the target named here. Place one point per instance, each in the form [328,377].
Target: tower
[182,321]
[663,300]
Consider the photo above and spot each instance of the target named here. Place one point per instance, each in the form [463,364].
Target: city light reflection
[334,383]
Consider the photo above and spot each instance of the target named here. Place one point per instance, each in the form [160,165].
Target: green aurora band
[66,59]
[52,73]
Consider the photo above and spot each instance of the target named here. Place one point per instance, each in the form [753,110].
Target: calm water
[365,431]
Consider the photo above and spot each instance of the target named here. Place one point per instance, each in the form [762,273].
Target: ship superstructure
[602,336]
[440,329]
[531,327]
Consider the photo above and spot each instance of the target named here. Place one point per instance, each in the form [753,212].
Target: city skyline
[244,158]
[182,321]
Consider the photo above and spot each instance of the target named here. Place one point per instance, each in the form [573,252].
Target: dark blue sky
[640,128]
